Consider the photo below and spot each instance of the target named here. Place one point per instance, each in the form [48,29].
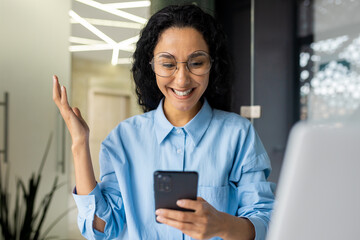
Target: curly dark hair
[218,91]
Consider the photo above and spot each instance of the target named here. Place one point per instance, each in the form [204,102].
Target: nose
[182,76]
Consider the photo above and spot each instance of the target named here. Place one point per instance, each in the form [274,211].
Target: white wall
[34,46]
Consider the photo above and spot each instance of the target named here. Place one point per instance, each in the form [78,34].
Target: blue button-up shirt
[222,147]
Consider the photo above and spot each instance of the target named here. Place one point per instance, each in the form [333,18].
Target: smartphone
[170,186]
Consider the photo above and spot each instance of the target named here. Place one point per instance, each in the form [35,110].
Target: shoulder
[138,121]
[135,125]
[230,120]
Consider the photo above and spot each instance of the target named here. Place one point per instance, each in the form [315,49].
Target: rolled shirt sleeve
[254,193]
[87,204]
[105,202]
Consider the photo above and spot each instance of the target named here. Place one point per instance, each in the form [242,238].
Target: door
[107,108]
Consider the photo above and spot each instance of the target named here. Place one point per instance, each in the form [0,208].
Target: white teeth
[183,93]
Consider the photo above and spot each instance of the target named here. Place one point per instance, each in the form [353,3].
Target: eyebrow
[196,54]
[170,56]
[166,55]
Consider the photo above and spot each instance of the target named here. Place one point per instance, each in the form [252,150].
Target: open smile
[183,93]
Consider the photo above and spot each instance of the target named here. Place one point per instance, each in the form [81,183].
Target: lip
[182,97]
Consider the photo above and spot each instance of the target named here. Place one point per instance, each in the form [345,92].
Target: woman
[181,75]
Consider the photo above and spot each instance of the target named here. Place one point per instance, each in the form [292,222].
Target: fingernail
[157,212]
[180,202]
[62,88]
[159,218]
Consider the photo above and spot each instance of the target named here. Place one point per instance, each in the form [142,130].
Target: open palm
[77,126]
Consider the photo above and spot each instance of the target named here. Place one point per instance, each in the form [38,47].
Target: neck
[180,118]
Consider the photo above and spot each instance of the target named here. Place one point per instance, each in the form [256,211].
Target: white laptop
[318,195]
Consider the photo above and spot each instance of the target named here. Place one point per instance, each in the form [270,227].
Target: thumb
[77,112]
[201,199]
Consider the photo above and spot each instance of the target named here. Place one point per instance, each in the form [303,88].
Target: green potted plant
[26,220]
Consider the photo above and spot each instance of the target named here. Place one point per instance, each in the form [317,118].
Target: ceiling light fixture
[125,45]
[99,47]
[91,28]
[114,11]
[134,4]
[84,40]
[111,23]
[93,47]
[129,41]
[115,56]
[124,61]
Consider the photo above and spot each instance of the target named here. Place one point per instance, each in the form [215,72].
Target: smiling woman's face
[183,89]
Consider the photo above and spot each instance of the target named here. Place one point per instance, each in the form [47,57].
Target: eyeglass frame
[187,63]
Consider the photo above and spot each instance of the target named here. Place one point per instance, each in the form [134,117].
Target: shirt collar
[195,128]
[162,126]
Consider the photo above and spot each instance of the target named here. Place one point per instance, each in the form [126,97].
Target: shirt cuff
[260,227]
[88,204]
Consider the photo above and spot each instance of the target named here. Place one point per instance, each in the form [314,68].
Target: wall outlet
[250,111]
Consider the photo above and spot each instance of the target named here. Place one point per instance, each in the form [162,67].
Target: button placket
[179,149]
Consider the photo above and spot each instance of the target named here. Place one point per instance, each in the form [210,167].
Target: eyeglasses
[164,64]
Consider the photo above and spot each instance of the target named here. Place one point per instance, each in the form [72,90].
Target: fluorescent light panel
[125,45]
[124,61]
[99,47]
[115,56]
[91,28]
[114,11]
[134,4]
[111,23]
[93,47]
[129,41]
[84,40]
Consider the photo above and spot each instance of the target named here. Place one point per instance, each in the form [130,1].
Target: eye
[195,64]
[167,65]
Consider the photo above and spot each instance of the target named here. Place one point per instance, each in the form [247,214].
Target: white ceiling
[117,34]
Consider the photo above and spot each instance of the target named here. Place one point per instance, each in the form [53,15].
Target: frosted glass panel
[330,64]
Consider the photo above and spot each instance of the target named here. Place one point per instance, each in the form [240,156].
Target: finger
[182,226]
[64,100]
[176,215]
[201,199]
[77,112]
[190,204]
[56,90]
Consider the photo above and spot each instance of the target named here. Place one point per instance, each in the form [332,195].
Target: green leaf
[25,215]
[49,198]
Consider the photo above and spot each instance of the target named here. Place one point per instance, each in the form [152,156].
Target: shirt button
[91,206]
[178,151]
[178,131]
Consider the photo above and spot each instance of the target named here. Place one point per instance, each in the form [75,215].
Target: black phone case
[183,185]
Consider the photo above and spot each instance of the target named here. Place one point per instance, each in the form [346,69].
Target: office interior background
[297,59]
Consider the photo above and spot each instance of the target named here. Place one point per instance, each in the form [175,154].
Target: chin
[184,108]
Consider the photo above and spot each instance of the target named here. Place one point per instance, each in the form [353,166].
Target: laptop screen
[318,195]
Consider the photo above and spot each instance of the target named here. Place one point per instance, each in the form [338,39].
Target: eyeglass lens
[198,63]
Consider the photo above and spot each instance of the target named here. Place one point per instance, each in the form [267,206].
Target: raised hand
[77,126]
[79,131]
